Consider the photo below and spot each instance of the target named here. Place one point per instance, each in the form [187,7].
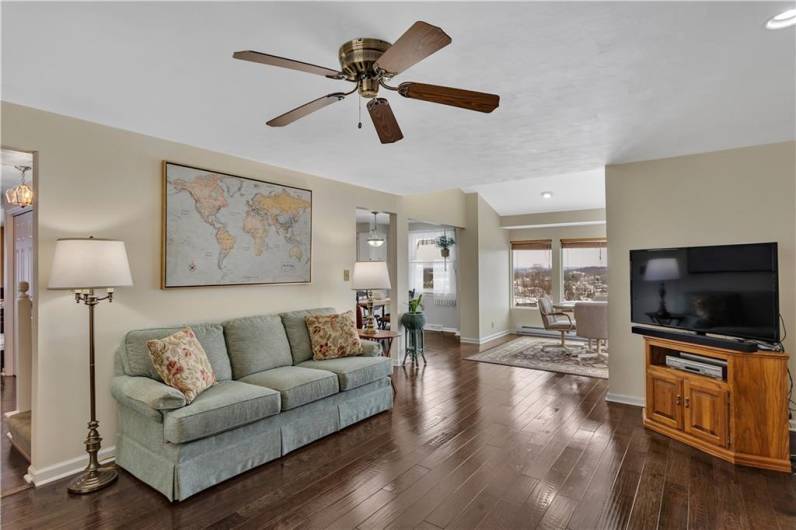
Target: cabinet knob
[679,399]
[687,402]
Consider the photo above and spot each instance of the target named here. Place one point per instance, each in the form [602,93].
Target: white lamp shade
[88,263]
[370,275]
[662,269]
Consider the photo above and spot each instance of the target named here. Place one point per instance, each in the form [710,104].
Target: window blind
[541,244]
[596,242]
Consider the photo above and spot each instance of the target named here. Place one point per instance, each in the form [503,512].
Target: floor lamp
[82,265]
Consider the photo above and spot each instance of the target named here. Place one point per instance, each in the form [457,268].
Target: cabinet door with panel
[705,408]
[664,398]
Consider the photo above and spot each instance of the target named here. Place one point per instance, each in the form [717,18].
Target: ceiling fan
[370,63]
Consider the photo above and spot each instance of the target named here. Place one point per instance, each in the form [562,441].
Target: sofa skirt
[181,470]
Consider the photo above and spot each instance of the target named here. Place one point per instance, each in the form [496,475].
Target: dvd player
[696,364]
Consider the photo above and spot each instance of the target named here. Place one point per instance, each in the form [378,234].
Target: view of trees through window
[533,273]
[585,272]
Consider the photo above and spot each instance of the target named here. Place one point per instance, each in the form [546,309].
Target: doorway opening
[433,273]
[17,277]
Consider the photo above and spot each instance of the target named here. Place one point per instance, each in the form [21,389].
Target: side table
[383,337]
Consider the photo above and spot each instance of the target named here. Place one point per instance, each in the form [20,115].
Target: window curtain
[425,255]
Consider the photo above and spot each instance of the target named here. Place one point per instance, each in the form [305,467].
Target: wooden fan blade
[417,43]
[384,121]
[307,108]
[455,97]
[273,60]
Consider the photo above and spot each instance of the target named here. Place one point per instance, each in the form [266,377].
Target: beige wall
[107,182]
[442,207]
[467,298]
[736,196]
[536,220]
[493,273]
[529,316]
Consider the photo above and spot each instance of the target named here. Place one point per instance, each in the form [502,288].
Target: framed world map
[221,229]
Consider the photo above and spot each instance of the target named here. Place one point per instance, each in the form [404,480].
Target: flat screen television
[729,290]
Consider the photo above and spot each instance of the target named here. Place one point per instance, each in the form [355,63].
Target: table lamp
[370,275]
[82,265]
[661,270]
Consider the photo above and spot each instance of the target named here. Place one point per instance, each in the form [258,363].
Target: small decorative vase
[445,252]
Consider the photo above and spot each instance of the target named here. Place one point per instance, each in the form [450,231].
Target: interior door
[705,409]
[664,398]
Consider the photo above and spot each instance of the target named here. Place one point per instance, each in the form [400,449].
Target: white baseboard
[625,399]
[39,477]
[440,328]
[485,339]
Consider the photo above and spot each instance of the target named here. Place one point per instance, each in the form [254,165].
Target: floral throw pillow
[182,363]
[333,336]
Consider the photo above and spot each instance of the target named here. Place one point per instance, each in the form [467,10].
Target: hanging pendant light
[20,195]
[374,238]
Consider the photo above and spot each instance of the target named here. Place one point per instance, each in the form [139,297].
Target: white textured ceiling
[581,84]
[574,191]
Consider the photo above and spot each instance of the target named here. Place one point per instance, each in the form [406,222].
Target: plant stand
[414,345]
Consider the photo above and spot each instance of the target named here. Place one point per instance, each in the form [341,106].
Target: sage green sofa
[270,398]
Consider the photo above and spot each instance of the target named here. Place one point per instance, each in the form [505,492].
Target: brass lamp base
[90,481]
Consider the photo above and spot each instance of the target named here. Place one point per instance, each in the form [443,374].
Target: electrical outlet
[346,275]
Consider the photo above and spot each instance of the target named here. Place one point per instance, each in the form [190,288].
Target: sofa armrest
[370,348]
[146,395]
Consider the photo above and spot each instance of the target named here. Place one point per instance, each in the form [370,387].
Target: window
[428,278]
[532,265]
[584,264]
[429,272]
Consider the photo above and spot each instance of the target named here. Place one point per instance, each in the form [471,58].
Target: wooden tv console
[743,419]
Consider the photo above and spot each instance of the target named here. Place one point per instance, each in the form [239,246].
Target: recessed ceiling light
[783,20]
[547,194]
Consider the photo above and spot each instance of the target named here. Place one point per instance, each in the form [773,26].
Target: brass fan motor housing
[356,62]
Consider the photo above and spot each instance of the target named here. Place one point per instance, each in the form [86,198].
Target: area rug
[526,352]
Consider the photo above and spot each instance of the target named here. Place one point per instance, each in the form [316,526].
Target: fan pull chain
[359,107]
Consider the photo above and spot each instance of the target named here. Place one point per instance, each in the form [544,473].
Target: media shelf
[742,418]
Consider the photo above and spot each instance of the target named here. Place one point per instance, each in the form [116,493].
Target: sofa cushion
[135,355]
[256,344]
[221,407]
[353,372]
[333,336]
[182,363]
[297,334]
[298,386]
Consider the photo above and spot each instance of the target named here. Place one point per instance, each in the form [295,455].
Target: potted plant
[414,318]
[444,243]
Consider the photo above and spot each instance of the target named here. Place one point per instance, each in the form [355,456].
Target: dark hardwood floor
[468,445]
[13,465]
